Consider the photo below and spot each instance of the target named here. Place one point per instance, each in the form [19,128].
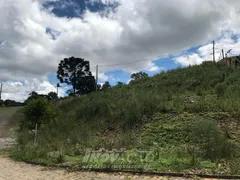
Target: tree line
[33,95]
[76,72]
[10,103]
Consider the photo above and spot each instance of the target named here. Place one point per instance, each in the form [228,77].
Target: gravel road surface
[11,170]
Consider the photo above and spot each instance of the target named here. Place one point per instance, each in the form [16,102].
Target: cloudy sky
[121,36]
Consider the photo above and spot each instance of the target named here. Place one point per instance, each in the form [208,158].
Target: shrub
[209,137]
[38,111]
[220,89]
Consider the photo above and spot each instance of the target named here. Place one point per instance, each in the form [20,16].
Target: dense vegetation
[189,117]
[10,103]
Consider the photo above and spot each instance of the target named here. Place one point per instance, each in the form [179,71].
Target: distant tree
[1,103]
[106,85]
[99,87]
[32,95]
[11,103]
[52,96]
[6,102]
[76,71]
[86,85]
[139,75]
[70,92]
[119,84]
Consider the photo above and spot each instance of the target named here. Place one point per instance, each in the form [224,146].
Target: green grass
[190,116]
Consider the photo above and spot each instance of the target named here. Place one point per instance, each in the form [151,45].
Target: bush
[210,138]
[220,89]
[38,111]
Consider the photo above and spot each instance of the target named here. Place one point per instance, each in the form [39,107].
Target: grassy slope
[167,112]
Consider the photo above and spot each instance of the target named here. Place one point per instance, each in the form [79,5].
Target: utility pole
[35,134]
[96,77]
[57,88]
[214,51]
[1,91]
[223,53]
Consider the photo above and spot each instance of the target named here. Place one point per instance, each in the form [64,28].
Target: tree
[119,84]
[1,103]
[99,87]
[11,103]
[38,111]
[32,95]
[70,92]
[86,85]
[139,75]
[52,96]
[76,71]
[106,85]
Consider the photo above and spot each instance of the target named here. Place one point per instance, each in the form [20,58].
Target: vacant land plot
[11,170]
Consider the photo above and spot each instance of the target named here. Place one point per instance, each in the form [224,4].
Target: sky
[120,36]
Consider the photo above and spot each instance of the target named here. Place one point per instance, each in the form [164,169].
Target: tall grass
[184,110]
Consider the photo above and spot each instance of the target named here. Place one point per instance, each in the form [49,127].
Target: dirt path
[10,170]
[9,117]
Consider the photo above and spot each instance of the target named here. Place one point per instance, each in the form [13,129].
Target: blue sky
[150,36]
[75,8]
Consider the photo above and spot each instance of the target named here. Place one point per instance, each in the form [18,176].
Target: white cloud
[204,53]
[19,91]
[138,30]
[103,77]
[189,59]
[152,67]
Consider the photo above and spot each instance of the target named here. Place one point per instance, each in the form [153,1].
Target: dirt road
[10,170]
[9,117]
[8,114]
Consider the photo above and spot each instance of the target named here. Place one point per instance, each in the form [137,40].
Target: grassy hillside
[188,117]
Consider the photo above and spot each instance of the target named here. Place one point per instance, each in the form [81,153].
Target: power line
[139,68]
[113,65]
[110,65]
[119,64]
[1,91]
